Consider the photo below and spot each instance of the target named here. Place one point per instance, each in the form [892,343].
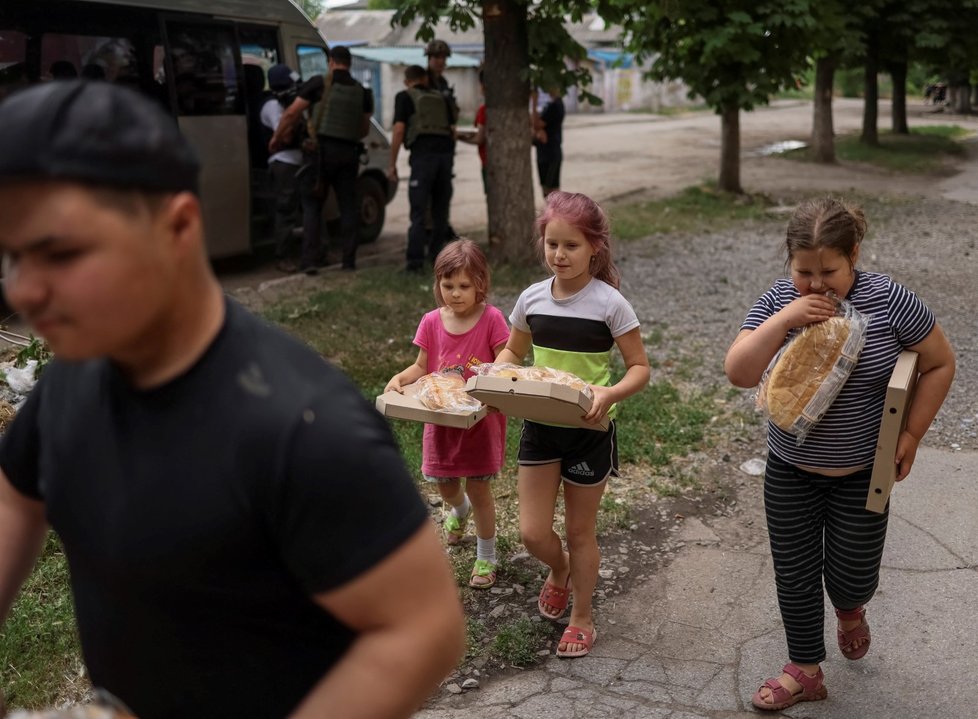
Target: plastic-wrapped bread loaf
[445,392]
[810,371]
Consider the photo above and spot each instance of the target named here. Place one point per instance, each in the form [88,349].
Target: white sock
[462,510]
[486,549]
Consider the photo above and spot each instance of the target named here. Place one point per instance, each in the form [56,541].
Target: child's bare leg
[454,496]
[451,492]
[483,507]
[538,486]
[581,517]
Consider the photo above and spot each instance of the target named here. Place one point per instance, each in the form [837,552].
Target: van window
[97,58]
[312,61]
[259,46]
[205,72]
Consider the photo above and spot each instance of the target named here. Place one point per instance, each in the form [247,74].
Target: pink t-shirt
[479,450]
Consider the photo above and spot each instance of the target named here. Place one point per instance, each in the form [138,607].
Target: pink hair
[462,256]
[584,214]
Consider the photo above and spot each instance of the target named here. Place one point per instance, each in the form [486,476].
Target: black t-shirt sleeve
[312,89]
[368,101]
[403,107]
[346,500]
[20,446]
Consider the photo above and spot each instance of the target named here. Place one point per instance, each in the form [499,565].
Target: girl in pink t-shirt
[463,332]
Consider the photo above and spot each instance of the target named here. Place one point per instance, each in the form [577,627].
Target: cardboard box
[547,402]
[899,393]
[405,406]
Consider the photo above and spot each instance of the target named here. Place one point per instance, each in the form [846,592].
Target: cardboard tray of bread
[539,394]
[437,398]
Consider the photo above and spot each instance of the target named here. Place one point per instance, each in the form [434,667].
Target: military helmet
[438,47]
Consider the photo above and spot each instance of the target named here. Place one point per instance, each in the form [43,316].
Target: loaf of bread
[810,372]
[445,392]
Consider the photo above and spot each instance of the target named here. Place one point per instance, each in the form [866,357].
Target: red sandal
[849,637]
[554,596]
[576,635]
[812,690]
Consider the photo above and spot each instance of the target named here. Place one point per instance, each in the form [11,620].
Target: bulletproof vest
[342,112]
[430,116]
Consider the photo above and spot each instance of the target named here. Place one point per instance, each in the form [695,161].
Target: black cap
[280,77]
[93,133]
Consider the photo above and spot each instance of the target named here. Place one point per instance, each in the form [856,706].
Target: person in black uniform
[438,52]
[234,513]
[340,118]
[424,124]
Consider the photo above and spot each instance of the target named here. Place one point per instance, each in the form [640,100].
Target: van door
[204,70]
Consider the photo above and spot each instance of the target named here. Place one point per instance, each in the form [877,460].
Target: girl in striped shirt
[815,493]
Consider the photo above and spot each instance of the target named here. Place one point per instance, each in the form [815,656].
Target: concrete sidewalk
[698,639]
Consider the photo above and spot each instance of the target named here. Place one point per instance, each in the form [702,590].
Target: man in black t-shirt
[242,536]
[424,123]
[340,116]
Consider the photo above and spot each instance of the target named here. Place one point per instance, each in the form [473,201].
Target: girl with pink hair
[573,320]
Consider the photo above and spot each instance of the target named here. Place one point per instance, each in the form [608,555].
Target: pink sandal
[812,690]
[849,637]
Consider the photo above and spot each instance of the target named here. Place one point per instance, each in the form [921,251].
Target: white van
[205,62]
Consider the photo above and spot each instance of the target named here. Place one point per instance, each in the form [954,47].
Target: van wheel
[373,207]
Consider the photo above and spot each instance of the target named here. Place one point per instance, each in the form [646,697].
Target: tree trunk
[823,134]
[510,181]
[730,149]
[898,111]
[871,92]
[961,102]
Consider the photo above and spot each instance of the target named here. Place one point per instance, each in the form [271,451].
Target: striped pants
[818,527]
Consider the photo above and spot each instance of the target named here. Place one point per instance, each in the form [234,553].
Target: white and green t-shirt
[575,334]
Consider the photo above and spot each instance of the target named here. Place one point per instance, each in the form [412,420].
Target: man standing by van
[340,119]
[423,123]
[234,514]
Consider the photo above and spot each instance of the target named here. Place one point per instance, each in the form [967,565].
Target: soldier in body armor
[340,117]
[438,52]
[424,122]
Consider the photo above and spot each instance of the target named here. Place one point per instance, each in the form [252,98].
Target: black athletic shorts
[587,457]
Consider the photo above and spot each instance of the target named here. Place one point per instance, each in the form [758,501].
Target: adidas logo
[581,469]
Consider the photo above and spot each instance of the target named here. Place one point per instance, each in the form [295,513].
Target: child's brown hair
[462,256]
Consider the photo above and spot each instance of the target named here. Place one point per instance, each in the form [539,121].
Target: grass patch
[660,424]
[39,651]
[517,643]
[694,209]
[924,150]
